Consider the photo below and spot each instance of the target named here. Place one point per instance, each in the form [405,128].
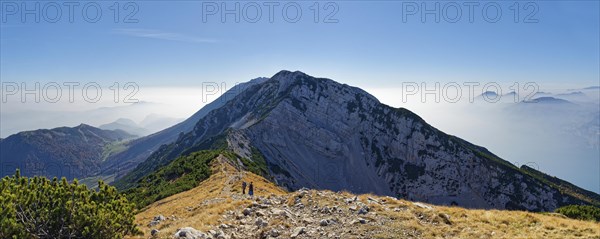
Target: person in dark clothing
[243,187]
[251,189]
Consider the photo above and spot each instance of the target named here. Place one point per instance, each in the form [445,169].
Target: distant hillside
[70,152]
[576,96]
[126,125]
[547,100]
[156,122]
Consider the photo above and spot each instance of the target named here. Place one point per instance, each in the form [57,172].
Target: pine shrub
[41,208]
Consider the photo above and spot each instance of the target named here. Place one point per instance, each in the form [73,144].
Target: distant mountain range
[584,95]
[60,152]
[144,113]
[573,96]
[151,124]
[548,100]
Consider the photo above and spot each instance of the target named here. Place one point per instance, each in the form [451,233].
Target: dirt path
[233,177]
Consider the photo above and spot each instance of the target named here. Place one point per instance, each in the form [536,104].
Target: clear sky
[369,46]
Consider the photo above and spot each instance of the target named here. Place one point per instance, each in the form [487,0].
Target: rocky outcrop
[314,214]
[189,233]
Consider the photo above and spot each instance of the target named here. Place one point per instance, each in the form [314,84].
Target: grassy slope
[114,148]
[467,223]
[155,162]
[182,174]
[185,173]
[202,208]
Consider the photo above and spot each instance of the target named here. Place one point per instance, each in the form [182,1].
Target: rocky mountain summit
[319,134]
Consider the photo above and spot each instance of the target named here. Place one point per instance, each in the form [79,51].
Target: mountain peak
[286,78]
[489,94]
[285,74]
[84,126]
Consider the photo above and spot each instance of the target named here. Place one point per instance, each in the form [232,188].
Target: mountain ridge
[138,150]
[64,151]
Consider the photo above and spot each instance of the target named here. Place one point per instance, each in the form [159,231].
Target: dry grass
[470,223]
[410,221]
[202,207]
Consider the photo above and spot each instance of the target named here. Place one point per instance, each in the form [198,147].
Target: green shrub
[257,164]
[589,213]
[39,208]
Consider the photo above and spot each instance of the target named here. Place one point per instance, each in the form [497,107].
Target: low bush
[589,213]
[41,208]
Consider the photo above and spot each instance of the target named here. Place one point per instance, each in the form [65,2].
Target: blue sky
[370,45]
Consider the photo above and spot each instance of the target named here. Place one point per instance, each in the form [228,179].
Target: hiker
[251,189]
[243,187]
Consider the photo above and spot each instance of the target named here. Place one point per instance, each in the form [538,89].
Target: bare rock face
[326,135]
[317,133]
[189,233]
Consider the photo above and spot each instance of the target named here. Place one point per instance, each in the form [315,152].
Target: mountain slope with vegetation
[137,151]
[76,152]
[185,173]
